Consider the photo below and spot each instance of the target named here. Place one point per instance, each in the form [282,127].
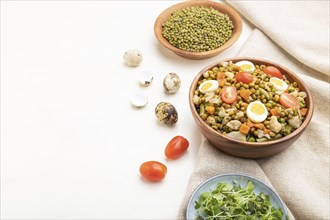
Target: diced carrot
[237,68]
[303,111]
[259,126]
[244,129]
[249,123]
[210,109]
[245,94]
[222,82]
[275,112]
[221,75]
[266,131]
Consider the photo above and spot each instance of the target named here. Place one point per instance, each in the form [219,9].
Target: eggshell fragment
[139,100]
[146,78]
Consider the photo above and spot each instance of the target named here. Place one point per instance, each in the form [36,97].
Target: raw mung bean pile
[197,29]
[248,102]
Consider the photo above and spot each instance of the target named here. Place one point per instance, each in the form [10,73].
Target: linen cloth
[300,174]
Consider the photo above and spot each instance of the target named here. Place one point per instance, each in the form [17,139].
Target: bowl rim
[285,211]
[234,16]
[301,83]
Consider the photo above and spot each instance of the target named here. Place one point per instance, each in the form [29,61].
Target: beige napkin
[300,174]
[299,27]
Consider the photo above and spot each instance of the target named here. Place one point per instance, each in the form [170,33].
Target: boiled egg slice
[208,86]
[256,111]
[245,66]
[278,84]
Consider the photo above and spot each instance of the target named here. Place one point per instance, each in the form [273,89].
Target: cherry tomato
[229,94]
[244,77]
[273,72]
[176,147]
[289,101]
[153,171]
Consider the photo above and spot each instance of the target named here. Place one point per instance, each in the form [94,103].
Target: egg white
[247,63]
[213,87]
[280,88]
[252,115]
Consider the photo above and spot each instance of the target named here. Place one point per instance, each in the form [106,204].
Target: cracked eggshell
[133,57]
[171,83]
[139,100]
[146,78]
[166,113]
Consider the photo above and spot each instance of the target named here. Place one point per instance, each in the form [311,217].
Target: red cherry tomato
[229,94]
[244,77]
[176,147]
[289,101]
[273,72]
[153,171]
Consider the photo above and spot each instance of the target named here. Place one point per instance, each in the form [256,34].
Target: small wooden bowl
[251,149]
[162,18]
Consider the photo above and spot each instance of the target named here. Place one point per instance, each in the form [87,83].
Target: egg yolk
[257,109]
[277,82]
[245,67]
[206,86]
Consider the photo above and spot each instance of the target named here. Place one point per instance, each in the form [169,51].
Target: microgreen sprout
[235,202]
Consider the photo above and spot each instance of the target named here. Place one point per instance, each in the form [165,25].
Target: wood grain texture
[250,149]
[233,15]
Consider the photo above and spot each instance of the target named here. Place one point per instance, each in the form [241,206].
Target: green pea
[255,133]
[291,89]
[281,120]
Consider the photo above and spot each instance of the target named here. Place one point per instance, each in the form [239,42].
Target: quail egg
[133,57]
[171,83]
[245,66]
[166,113]
[139,100]
[208,86]
[256,111]
[278,84]
[146,78]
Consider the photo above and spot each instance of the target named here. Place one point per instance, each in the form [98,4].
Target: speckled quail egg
[171,83]
[208,86]
[146,78]
[279,84]
[166,113]
[256,111]
[245,66]
[133,57]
